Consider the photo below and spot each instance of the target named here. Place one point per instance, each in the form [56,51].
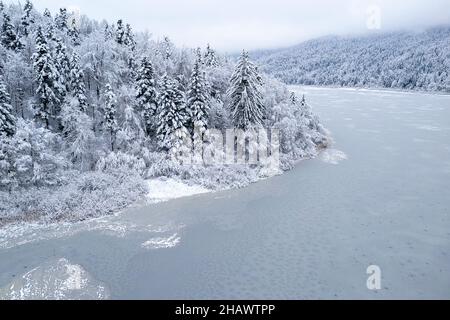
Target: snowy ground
[159,190]
[164,189]
[379,196]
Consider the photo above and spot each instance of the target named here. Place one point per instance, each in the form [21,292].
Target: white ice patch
[76,279]
[333,156]
[420,140]
[162,243]
[18,234]
[55,280]
[161,190]
[429,128]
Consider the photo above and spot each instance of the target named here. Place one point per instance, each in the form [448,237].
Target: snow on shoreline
[165,189]
[160,190]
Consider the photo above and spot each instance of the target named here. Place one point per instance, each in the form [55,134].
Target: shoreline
[372,89]
[24,232]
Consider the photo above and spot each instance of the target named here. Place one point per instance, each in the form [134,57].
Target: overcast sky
[231,25]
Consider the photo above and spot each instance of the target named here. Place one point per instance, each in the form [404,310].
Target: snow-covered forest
[399,60]
[89,110]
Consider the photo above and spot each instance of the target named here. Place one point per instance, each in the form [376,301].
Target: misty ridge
[406,60]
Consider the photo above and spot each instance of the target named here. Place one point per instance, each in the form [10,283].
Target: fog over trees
[399,60]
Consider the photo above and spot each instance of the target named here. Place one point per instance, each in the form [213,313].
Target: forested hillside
[89,109]
[400,60]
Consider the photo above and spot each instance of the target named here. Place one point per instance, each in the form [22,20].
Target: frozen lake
[380,196]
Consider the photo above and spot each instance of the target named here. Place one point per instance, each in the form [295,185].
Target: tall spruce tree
[27,18]
[245,98]
[293,98]
[49,33]
[168,48]
[210,57]
[197,100]
[47,14]
[129,37]
[110,114]
[62,20]
[77,82]
[172,115]
[147,95]
[73,32]
[107,32]
[62,63]
[47,78]
[7,119]
[120,33]
[9,38]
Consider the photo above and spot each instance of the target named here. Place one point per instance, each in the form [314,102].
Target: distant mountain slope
[402,60]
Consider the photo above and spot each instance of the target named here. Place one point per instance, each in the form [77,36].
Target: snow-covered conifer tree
[7,170]
[107,32]
[7,119]
[120,32]
[293,98]
[62,63]
[210,57]
[73,32]
[129,37]
[27,18]
[47,14]
[110,114]
[197,100]
[305,109]
[245,99]
[77,83]
[299,105]
[172,116]
[62,19]
[50,34]
[47,78]
[168,48]
[9,37]
[147,95]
